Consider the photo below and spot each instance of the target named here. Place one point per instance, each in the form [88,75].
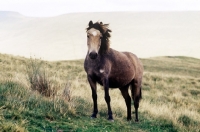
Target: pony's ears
[90,23]
[103,26]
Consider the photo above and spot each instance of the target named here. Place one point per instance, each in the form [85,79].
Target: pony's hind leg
[136,95]
[127,98]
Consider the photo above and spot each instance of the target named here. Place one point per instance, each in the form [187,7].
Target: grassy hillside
[171,94]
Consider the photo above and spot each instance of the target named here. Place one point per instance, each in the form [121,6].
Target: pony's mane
[103,28]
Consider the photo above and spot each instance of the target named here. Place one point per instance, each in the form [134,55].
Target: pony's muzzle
[93,55]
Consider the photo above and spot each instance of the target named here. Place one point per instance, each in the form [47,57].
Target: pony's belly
[121,79]
[113,83]
[117,83]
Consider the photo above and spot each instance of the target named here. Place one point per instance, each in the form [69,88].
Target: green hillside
[61,99]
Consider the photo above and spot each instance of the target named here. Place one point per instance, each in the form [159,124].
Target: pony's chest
[99,73]
[95,71]
[96,75]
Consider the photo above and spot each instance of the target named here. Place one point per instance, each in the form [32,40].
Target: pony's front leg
[107,98]
[92,83]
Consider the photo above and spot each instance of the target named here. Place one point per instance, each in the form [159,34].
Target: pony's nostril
[93,55]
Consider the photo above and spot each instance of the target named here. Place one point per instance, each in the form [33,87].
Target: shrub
[194,92]
[39,79]
[185,120]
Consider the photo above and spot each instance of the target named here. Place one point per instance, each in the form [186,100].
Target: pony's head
[97,39]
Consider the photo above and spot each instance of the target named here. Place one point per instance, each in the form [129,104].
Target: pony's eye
[87,36]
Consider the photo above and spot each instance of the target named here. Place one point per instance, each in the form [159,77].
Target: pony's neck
[105,45]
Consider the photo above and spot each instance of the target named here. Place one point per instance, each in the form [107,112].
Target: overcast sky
[45,8]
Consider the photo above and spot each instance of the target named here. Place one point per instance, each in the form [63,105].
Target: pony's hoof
[129,119]
[93,116]
[111,120]
[137,121]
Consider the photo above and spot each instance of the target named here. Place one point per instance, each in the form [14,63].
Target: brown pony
[111,69]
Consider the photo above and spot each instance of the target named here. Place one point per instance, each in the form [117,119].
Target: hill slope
[171,93]
[63,37]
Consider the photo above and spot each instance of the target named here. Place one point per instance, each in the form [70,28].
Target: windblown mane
[103,28]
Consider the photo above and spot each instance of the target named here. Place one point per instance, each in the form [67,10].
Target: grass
[171,94]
